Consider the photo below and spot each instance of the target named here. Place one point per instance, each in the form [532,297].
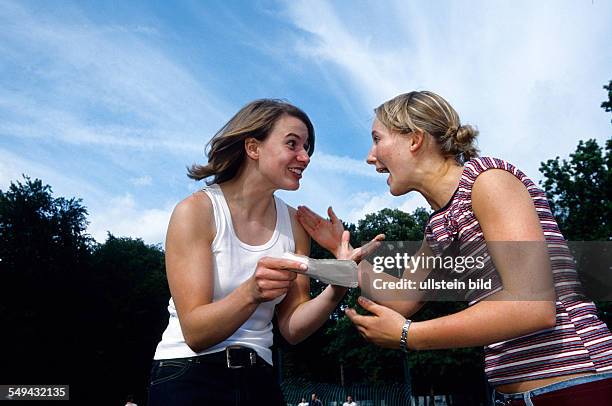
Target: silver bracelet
[403,338]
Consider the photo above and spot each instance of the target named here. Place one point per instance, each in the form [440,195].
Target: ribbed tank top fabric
[579,342]
[233,263]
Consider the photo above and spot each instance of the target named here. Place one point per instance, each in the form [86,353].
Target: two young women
[226,287]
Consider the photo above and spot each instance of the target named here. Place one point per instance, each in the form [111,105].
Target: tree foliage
[579,191]
[607,104]
[75,311]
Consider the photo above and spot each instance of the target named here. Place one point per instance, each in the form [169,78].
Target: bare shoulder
[498,182]
[194,215]
[504,208]
[301,237]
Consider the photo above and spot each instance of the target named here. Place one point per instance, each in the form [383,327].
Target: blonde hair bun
[431,113]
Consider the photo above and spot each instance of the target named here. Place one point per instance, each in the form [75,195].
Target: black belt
[234,356]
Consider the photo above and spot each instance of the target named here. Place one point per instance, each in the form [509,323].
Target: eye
[291,144]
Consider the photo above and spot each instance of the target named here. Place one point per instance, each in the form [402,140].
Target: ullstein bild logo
[407,284]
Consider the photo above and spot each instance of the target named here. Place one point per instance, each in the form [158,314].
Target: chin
[397,192]
[291,186]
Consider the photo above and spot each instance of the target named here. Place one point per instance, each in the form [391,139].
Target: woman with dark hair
[225,275]
[548,349]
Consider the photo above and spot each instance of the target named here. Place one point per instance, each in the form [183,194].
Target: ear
[251,146]
[416,140]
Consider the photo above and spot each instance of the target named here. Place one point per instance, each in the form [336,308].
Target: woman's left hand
[383,327]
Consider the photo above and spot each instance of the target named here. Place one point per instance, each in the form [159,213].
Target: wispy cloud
[124,217]
[142,181]
[87,73]
[343,165]
[12,167]
[515,70]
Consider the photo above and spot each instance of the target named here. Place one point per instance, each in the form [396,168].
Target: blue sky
[110,101]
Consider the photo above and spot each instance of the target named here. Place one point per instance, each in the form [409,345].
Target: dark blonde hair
[226,152]
[430,113]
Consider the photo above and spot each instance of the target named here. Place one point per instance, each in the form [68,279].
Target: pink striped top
[580,341]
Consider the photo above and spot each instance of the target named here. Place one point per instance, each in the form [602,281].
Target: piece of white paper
[338,272]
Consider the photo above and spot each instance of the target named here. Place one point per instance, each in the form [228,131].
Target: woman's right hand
[330,234]
[327,233]
[272,278]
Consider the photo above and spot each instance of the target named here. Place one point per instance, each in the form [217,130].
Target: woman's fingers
[282,264]
[370,247]
[268,284]
[309,219]
[357,319]
[332,216]
[370,306]
[274,293]
[346,238]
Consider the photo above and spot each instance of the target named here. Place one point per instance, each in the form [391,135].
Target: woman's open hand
[331,235]
[327,233]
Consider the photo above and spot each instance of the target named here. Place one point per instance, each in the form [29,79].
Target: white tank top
[233,263]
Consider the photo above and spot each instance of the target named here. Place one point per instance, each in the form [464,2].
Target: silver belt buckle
[228,356]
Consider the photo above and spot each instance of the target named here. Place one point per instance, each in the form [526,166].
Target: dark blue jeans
[190,381]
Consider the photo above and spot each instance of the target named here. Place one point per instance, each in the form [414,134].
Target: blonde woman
[541,352]
[225,277]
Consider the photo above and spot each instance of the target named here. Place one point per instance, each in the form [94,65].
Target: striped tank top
[580,342]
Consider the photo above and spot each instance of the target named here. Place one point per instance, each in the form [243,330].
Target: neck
[248,195]
[439,180]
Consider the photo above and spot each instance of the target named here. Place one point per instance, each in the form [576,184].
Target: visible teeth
[382,170]
[296,170]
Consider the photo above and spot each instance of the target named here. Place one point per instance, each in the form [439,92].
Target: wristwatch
[403,338]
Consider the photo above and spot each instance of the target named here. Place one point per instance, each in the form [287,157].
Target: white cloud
[365,203]
[12,167]
[85,73]
[342,165]
[124,217]
[142,181]
[529,75]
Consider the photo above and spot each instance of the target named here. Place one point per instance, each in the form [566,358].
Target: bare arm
[395,299]
[189,268]
[488,321]
[298,315]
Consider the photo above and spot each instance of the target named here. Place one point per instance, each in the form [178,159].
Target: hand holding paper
[331,271]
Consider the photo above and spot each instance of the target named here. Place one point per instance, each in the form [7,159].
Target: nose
[304,157]
[371,158]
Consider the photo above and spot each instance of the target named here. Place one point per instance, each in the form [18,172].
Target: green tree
[128,295]
[579,191]
[44,252]
[607,105]
[75,311]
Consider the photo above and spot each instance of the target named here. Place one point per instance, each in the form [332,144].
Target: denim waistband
[501,398]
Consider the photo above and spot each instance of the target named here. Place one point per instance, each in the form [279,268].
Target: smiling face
[390,153]
[283,156]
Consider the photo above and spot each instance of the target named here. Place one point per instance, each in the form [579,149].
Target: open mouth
[382,169]
[297,171]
